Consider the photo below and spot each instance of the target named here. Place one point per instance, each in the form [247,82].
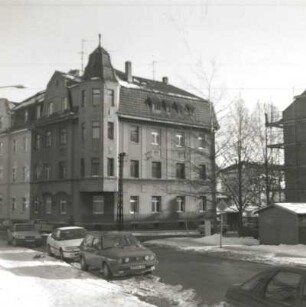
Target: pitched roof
[296,208]
[138,98]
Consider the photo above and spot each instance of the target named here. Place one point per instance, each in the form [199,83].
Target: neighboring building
[253,190]
[294,126]
[77,128]
[283,223]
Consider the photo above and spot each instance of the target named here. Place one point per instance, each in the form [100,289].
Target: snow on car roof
[70,227]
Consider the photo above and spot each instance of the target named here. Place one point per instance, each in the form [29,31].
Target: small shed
[282,223]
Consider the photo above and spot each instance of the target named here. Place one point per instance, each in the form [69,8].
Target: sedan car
[276,287]
[65,242]
[116,254]
[23,234]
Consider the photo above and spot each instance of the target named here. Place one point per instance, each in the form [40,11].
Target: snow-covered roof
[296,208]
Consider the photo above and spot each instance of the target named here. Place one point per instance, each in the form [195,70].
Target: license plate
[137,267]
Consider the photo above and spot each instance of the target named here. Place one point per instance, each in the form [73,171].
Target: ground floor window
[134,204]
[203,204]
[63,206]
[156,203]
[180,201]
[98,204]
[36,205]
[48,204]
[13,203]
[24,204]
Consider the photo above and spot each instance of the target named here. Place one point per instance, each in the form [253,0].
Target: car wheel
[49,250]
[61,255]
[14,242]
[83,263]
[107,273]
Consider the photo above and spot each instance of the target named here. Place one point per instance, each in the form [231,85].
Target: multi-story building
[79,125]
[294,126]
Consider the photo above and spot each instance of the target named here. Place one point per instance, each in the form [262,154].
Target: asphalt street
[209,276]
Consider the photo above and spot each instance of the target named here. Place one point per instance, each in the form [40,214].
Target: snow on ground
[31,278]
[247,249]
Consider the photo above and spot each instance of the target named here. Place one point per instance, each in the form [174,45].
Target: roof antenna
[99,40]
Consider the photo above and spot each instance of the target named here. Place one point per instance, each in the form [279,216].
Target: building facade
[76,130]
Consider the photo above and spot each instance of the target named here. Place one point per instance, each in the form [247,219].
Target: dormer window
[156,107]
[166,106]
[50,108]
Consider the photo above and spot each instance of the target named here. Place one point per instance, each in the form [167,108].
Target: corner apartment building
[78,127]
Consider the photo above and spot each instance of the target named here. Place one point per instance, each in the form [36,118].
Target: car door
[283,289]
[54,242]
[96,252]
[87,250]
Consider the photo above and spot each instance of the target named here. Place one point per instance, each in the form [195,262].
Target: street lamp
[20,86]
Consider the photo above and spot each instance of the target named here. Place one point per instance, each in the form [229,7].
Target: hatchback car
[23,234]
[277,287]
[65,242]
[116,254]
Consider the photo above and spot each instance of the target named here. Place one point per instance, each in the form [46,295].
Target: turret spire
[99,39]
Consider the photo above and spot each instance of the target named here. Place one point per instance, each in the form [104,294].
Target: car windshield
[71,234]
[24,227]
[119,241]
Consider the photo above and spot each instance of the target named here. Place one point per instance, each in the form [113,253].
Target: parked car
[116,254]
[279,286]
[65,242]
[23,234]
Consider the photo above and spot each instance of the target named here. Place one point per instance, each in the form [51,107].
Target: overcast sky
[257,47]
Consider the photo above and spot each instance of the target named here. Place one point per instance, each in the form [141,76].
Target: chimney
[128,71]
[165,80]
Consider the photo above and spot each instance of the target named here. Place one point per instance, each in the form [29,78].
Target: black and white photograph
[152,153]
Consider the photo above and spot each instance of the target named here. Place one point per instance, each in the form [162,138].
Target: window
[47,171]
[156,169]
[1,148]
[24,173]
[37,141]
[63,206]
[110,97]
[283,288]
[96,96]
[156,107]
[24,204]
[155,137]
[203,204]
[97,204]
[25,144]
[13,203]
[64,104]
[180,170]
[63,136]
[82,167]
[134,168]
[156,203]
[134,134]
[110,130]
[14,146]
[48,139]
[48,204]
[62,170]
[202,171]
[83,98]
[14,171]
[134,204]
[38,111]
[1,174]
[50,108]
[1,203]
[96,130]
[179,140]
[1,122]
[36,205]
[180,201]
[201,141]
[83,131]
[26,116]
[37,172]
[95,166]
[110,167]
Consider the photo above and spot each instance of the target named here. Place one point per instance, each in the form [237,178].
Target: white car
[64,242]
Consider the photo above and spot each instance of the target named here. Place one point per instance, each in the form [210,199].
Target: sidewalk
[246,249]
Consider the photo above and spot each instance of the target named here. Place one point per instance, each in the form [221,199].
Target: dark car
[116,254]
[276,287]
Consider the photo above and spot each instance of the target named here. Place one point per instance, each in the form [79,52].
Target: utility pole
[120,192]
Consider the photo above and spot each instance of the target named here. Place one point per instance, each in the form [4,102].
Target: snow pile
[247,249]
